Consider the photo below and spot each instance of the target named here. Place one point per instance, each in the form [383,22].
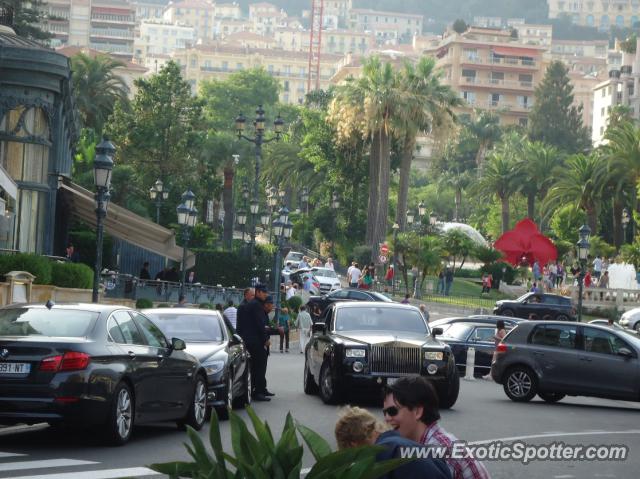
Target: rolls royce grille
[395,360]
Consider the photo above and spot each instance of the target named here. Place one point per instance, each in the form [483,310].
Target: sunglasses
[391,411]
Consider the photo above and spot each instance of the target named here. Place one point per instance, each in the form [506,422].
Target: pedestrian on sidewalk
[448,281]
[283,328]
[304,325]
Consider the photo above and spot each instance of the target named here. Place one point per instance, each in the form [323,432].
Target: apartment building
[149,9]
[103,25]
[566,49]
[228,10]
[198,14]
[161,38]
[532,34]
[404,25]
[336,13]
[202,62]
[621,88]
[583,86]
[249,40]
[492,71]
[597,13]
[339,42]
[265,18]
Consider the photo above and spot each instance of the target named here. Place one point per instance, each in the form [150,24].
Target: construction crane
[315,45]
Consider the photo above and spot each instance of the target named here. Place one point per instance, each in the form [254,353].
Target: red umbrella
[525,243]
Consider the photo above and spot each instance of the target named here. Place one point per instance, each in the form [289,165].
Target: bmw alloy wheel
[521,384]
[124,413]
[200,402]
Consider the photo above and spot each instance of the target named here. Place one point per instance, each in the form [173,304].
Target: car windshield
[68,323]
[375,318]
[189,327]
[294,256]
[523,297]
[381,297]
[458,331]
[325,272]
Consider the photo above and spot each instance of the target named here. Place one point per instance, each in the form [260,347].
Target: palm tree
[375,98]
[97,88]
[535,168]
[579,182]
[499,176]
[486,129]
[427,103]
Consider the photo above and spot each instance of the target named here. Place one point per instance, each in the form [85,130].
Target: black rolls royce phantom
[365,345]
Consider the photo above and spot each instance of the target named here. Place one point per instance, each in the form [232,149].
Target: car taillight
[70,361]
[501,348]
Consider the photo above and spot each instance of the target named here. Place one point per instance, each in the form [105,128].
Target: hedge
[231,268]
[71,275]
[37,265]
[144,303]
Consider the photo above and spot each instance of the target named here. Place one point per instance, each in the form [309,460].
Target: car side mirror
[236,339]
[436,332]
[178,344]
[319,328]
[625,353]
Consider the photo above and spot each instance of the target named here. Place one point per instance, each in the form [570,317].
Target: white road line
[10,454]
[22,465]
[565,476]
[561,434]
[100,474]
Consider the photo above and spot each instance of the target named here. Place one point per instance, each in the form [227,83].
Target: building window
[523,122]
[602,111]
[469,97]
[620,21]
[225,66]
[604,22]
[590,21]
[495,99]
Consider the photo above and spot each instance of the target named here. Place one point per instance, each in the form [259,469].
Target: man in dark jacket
[251,322]
[358,427]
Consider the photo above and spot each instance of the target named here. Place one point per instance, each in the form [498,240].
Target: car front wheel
[309,385]
[197,414]
[520,384]
[245,399]
[120,421]
[551,397]
[562,317]
[449,390]
[506,312]
[223,411]
[329,388]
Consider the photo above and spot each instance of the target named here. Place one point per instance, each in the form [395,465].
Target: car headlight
[355,353]
[433,355]
[213,367]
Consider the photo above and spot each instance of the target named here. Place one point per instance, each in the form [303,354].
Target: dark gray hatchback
[555,358]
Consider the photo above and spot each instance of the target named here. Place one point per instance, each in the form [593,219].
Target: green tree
[458,245]
[485,128]
[428,103]
[460,26]
[160,135]
[29,18]
[554,119]
[97,88]
[579,182]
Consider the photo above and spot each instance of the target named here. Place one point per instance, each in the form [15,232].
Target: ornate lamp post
[272,202]
[265,219]
[433,219]
[335,204]
[102,168]
[242,221]
[395,228]
[158,194]
[625,223]
[258,140]
[187,215]
[583,252]
[282,229]
[304,199]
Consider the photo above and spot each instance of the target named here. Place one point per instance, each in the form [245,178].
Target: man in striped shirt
[411,408]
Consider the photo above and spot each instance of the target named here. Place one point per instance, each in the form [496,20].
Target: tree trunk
[374,171]
[480,155]
[592,220]
[403,186]
[458,203]
[531,206]
[618,238]
[505,214]
[227,201]
[382,213]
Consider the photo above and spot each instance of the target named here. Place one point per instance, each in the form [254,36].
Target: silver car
[631,319]
[555,358]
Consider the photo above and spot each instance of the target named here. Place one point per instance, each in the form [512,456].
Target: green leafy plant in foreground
[259,456]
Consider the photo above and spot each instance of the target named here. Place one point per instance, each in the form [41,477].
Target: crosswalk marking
[21,465]
[100,474]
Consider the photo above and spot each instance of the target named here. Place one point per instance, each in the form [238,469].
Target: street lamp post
[394,262]
[625,223]
[282,230]
[258,140]
[187,215]
[583,252]
[158,194]
[242,221]
[102,168]
[304,198]
[272,201]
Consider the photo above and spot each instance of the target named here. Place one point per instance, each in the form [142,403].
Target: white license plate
[15,368]
[391,381]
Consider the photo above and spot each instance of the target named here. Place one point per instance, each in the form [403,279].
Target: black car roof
[94,307]
[376,304]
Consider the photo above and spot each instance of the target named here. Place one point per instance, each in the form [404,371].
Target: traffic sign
[382,258]
[384,249]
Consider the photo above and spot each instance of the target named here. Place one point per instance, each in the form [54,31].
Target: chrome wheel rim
[249,386]
[123,413]
[327,384]
[200,402]
[229,393]
[519,384]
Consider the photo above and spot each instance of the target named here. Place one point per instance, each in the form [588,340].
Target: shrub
[144,303]
[37,265]
[163,305]
[231,268]
[205,306]
[362,254]
[294,303]
[71,275]
[495,270]
[469,273]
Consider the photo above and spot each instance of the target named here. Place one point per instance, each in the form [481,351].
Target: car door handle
[131,354]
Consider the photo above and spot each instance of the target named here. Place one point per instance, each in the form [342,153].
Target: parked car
[327,278]
[364,345]
[555,358]
[298,277]
[294,258]
[540,305]
[462,335]
[446,323]
[616,326]
[220,351]
[631,319]
[318,304]
[92,365]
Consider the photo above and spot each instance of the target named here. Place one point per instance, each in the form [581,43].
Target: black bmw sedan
[92,365]
[220,351]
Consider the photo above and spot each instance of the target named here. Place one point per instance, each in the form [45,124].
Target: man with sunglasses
[411,409]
